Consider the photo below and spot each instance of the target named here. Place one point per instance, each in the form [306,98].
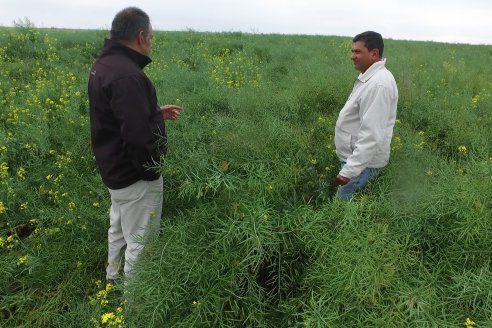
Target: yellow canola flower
[22,259]
[462,149]
[4,170]
[469,323]
[8,243]
[475,100]
[111,319]
[3,209]
[420,145]
[21,173]
[107,317]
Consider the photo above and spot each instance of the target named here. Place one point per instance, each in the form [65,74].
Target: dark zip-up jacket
[128,134]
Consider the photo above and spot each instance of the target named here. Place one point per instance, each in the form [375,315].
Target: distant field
[251,234]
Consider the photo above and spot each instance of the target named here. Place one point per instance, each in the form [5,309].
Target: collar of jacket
[371,70]
[111,47]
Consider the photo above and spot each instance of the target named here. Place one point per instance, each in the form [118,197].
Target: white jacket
[364,127]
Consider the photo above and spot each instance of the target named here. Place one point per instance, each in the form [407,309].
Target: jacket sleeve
[139,122]
[375,110]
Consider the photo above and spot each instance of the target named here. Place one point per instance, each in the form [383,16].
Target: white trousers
[135,217]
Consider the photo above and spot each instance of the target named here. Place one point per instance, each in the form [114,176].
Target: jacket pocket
[343,142]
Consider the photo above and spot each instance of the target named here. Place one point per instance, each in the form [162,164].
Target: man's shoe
[111,281]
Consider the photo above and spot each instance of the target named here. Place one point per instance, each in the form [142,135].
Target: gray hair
[128,23]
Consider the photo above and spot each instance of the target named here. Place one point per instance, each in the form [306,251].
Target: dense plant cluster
[251,235]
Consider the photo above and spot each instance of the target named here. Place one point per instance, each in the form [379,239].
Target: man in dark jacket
[128,136]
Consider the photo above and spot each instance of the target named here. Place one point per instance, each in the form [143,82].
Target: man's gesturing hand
[170,112]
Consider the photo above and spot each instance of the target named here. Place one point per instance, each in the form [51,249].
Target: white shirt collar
[364,77]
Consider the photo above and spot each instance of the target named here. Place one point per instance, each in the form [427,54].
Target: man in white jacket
[364,127]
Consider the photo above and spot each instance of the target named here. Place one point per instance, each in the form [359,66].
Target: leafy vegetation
[252,235]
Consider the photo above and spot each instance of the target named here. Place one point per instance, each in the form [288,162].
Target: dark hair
[128,22]
[372,40]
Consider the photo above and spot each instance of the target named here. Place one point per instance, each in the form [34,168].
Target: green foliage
[251,234]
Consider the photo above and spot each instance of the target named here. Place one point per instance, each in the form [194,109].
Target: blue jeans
[347,191]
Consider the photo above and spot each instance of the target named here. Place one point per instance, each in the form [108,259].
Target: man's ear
[141,37]
[375,53]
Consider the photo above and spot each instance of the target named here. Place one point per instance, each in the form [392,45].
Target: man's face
[146,43]
[362,57]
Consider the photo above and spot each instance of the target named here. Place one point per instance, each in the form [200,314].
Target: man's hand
[341,180]
[170,112]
